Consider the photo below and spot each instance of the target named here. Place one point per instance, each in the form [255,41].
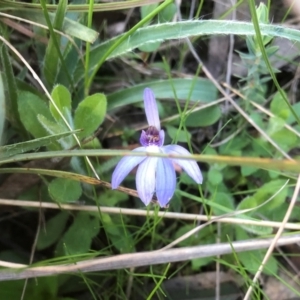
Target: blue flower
[155,174]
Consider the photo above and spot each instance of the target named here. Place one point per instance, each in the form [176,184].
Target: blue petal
[189,166]
[151,109]
[143,139]
[161,138]
[125,165]
[145,179]
[165,181]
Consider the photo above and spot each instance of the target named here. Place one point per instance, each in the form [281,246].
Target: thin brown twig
[148,213]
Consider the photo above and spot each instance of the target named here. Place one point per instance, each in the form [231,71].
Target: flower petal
[189,166]
[124,166]
[161,138]
[145,179]
[151,109]
[165,181]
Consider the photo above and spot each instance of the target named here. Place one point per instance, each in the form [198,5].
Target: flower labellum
[155,174]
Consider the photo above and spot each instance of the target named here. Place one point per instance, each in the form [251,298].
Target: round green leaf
[215,177]
[203,118]
[179,136]
[62,99]
[78,237]
[52,231]
[64,190]
[278,106]
[167,14]
[223,199]
[30,106]
[90,114]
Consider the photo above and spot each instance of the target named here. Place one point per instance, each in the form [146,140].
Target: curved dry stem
[148,213]
[122,261]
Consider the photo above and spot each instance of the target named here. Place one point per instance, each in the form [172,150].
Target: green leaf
[264,193]
[11,289]
[179,30]
[70,27]
[64,190]
[56,128]
[52,231]
[235,145]
[275,124]
[286,139]
[168,13]
[198,263]
[30,106]
[223,199]
[291,119]
[186,179]
[215,176]
[180,136]
[78,238]
[247,171]
[252,259]
[90,114]
[62,99]
[147,9]
[262,13]
[9,82]
[204,235]
[111,198]
[117,233]
[196,90]
[41,288]
[204,117]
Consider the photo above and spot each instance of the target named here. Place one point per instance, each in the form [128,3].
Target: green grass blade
[14,149]
[54,173]
[70,27]
[9,82]
[179,30]
[8,4]
[263,163]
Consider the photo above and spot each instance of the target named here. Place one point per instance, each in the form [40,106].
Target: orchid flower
[155,174]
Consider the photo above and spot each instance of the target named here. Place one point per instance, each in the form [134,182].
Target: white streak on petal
[145,179]
[189,166]
[124,166]
[151,109]
[165,181]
